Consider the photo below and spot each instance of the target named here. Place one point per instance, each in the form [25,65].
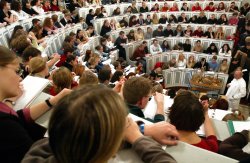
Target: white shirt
[155,49]
[20,15]
[237,89]
[182,64]
[225,53]
[39,10]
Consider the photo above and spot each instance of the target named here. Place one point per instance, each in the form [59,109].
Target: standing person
[18,128]
[236,90]
[120,42]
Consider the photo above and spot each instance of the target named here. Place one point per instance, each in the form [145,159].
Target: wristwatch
[11,102]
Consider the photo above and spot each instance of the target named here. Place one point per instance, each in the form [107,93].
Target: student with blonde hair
[88,77]
[38,67]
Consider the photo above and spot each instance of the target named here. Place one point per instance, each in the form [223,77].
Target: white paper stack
[32,87]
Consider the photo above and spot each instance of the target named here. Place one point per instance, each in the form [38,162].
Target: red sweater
[209,143]
[194,8]
[62,60]
[54,8]
[209,9]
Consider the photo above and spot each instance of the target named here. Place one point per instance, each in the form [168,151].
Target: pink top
[233,21]
[6,109]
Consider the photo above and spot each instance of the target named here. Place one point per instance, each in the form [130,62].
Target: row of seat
[123,6]
[99,22]
[130,48]
[181,77]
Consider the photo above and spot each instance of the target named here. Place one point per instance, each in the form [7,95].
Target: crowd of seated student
[38,67]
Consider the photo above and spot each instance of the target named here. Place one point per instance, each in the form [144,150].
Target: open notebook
[32,87]
[238,126]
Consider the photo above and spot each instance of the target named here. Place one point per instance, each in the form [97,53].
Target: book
[238,126]
[218,113]
[32,87]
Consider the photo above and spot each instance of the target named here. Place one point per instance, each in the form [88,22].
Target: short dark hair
[30,51]
[34,21]
[116,76]
[104,75]
[70,58]
[121,32]
[187,112]
[2,4]
[16,5]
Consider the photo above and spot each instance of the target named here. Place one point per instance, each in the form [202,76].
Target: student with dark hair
[5,14]
[28,9]
[70,62]
[202,64]
[187,114]
[104,76]
[120,42]
[117,76]
[212,49]
[136,92]
[90,17]
[168,32]
[35,22]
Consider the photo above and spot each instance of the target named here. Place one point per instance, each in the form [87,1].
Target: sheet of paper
[150,109]
[32,87]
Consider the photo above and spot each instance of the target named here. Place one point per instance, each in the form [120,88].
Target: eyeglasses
[19,71]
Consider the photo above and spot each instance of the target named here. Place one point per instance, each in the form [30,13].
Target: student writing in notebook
[187,114]
[18,128]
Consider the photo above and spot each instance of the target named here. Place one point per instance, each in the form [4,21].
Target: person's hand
[205,105]
[59,96]
[56,56]
[159,98]
[132,132]
[162,132]
[119,86]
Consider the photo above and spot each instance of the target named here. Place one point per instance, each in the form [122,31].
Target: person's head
[148,17]
[198,42]
[104,76]
[179,27]
[232,4]
[160,28]
[203,60]
[99,48]
[157,87]
[186,113]
[16,28]
[35,2]
[247,40]
[93,121]
[91,12]
[171,93]
[214,59]
[29,53]
[38,66]
[155,42]
[62,78]
[221,6]
[165,43]
[47,23]
[225,48]
[211,4]
[191,59]
[197,4]
[149,30]
[68,49]
[122,34]
[4,5]
[212,16]
[117,76]
[54,18]
[16,6]
[202,14]
[137,91]
[35,22]
[117,65]
[131,32]
[88,77]
[20,43]
[46,3]
[169,26]
[221,104]
[212,46]
[199,29]
[187,41]
[72,60]
[106,23]
[189,28]
[10,74]
[181,57]
[238,73]
[78,69]
[224,62]
[223,16]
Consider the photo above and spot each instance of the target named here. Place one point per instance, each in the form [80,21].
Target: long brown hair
[7,56]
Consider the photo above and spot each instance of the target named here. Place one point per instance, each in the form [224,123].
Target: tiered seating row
[123,6]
